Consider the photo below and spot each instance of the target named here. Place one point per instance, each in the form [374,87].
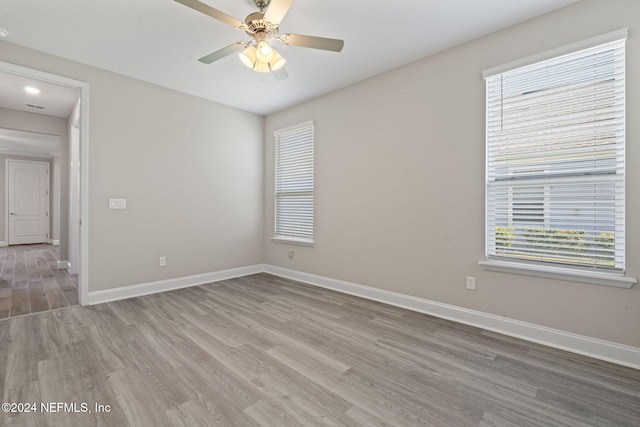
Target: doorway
[78,239]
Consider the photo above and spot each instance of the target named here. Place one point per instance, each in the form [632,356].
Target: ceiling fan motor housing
[256,24]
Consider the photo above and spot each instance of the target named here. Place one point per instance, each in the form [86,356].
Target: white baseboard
[63,265]
[98,297]
[3,243]
[55,242]
[580,344]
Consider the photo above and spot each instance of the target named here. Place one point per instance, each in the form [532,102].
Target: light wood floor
[30,281]
[265,351]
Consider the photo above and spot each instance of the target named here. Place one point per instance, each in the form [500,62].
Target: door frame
[83,223]
[6,197]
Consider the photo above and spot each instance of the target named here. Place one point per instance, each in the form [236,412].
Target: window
[555,192]
[294,184]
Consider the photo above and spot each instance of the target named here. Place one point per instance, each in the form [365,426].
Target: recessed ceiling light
[3,33]
[32,90]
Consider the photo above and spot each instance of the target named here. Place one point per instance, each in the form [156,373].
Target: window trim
[292,240]
[519,266]
[552,272]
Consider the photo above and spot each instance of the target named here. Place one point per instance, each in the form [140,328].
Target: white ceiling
[53,100]
[159,41]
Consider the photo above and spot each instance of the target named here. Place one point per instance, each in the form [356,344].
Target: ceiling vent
[37,107]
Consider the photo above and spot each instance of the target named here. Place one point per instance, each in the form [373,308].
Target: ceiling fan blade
[225,51]
[210,11]
[323,43]
[277,10]
[281,74]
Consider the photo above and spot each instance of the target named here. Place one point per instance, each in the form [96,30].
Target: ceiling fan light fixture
[261,67]
[248,56]
[264,51]
[277,61]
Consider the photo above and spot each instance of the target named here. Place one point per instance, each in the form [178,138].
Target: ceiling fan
[262,27]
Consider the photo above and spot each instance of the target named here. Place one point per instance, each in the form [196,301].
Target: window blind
[555,167]
[294,182]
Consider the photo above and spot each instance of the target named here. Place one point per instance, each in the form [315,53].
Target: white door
[28,202]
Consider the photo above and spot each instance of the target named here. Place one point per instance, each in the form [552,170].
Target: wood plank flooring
[30,281]
[265,351]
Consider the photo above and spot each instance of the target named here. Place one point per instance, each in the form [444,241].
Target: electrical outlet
[471,283]
[291,254]
[163,261]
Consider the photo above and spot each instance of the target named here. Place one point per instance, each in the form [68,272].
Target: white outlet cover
[471,283]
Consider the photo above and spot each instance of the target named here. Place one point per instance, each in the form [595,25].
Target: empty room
[319,213]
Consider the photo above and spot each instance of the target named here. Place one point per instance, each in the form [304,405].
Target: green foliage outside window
[505,236]
[533,242]
[573,239]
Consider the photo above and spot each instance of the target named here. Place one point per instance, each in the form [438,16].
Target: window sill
[293,240]
[596,278]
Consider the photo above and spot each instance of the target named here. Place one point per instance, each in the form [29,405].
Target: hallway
[31,283]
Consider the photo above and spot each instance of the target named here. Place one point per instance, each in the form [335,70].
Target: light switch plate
[117,203]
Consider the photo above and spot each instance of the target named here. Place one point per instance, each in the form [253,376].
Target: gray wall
[191,171]
[400,181]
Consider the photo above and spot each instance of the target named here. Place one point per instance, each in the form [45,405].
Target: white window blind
[556,159]
[294,183]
